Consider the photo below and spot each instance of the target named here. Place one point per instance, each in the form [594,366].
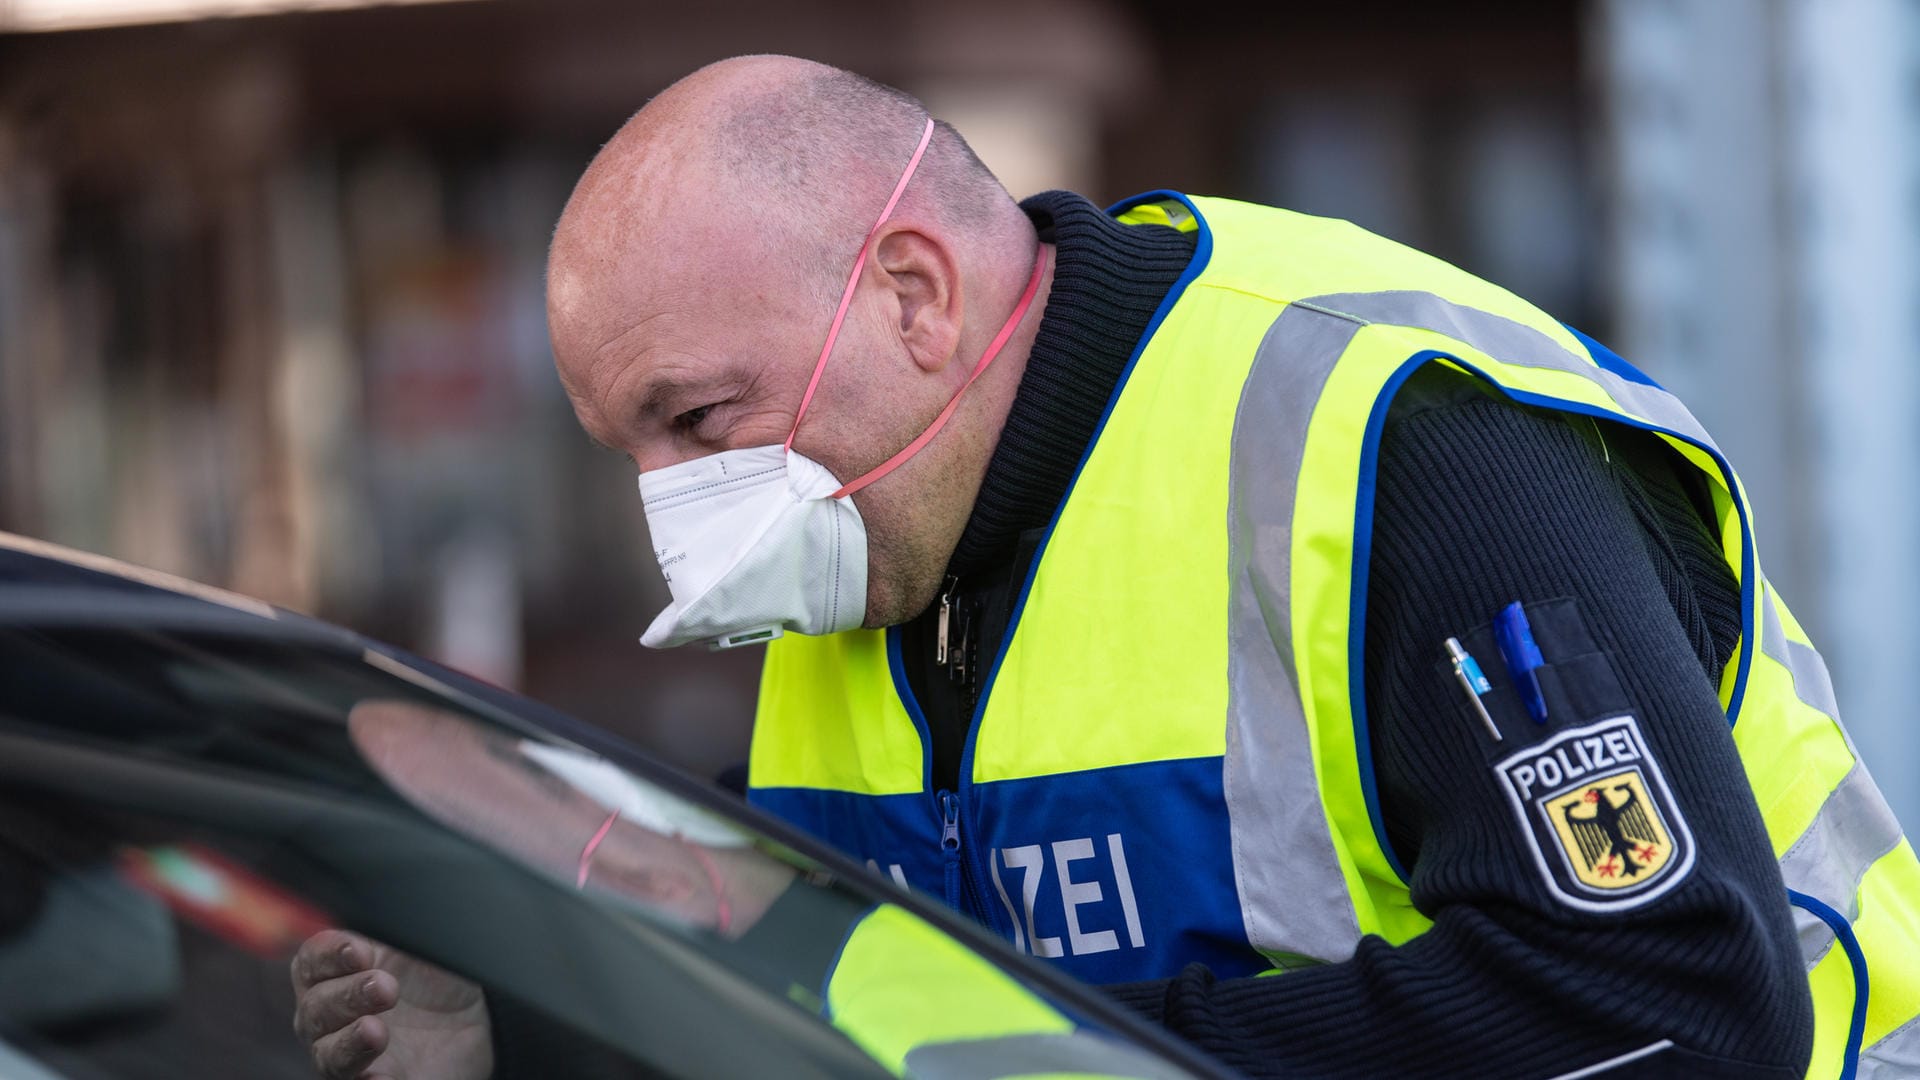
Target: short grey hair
[839,131]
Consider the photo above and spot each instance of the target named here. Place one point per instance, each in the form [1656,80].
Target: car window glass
[178,811]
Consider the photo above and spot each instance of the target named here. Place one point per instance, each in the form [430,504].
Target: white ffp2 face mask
[753,542]
[759,541]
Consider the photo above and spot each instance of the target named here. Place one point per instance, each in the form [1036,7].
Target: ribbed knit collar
[1108,280]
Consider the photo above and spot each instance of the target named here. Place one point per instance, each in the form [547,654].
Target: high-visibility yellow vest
[921,1004]
[1169,762]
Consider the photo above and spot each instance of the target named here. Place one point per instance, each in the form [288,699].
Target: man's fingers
[345,1053]
[330,1006]
[329,954]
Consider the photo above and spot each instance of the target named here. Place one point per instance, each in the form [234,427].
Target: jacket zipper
[962,885]
[961,873]
[950,846]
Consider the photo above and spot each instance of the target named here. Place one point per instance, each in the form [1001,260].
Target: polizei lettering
[1571,761]
[1081,885]
[1080,895]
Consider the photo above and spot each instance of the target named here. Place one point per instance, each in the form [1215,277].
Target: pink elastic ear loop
[993,350]
[853,279]
[723,911]
[840,315]
[586,853]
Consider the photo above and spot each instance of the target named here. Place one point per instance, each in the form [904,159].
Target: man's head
[697,266]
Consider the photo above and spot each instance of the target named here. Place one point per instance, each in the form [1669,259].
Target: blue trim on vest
[1843,933]
[891,830]
[1357,617]
[1363,545]
[1202,252]
[896,666]
[1176,850]
[1612,361]
[1146,835]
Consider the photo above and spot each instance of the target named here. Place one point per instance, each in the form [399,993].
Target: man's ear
[923,280]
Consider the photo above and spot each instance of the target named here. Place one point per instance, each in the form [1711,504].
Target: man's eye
[690,419]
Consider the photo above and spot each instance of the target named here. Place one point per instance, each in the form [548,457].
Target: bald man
[1196,590]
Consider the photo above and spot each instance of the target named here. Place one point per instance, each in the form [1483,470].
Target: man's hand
[372,1012]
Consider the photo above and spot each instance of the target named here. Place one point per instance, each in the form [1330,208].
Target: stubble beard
[906,564]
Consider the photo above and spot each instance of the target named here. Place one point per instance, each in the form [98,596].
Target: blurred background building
[271,307]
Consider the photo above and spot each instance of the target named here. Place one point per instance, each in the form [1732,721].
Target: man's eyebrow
[652,400]
[668,393]
[656,395]
[660,393]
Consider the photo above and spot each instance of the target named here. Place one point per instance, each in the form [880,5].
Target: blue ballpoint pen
[1514,635]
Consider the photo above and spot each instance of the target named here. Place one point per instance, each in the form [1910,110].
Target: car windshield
[187,793]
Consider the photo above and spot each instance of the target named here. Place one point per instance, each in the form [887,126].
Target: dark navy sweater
[1479,503]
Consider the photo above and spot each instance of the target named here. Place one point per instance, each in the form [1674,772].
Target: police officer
[1195,591]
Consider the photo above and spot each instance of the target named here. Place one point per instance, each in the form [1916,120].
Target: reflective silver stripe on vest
[1854,827]
[1897,1054]
[1513,343]
[1853,830]
[1027,1055]
[1811,683]
[1293,896]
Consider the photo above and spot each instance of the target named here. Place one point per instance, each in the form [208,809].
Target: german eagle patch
[1603,826]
